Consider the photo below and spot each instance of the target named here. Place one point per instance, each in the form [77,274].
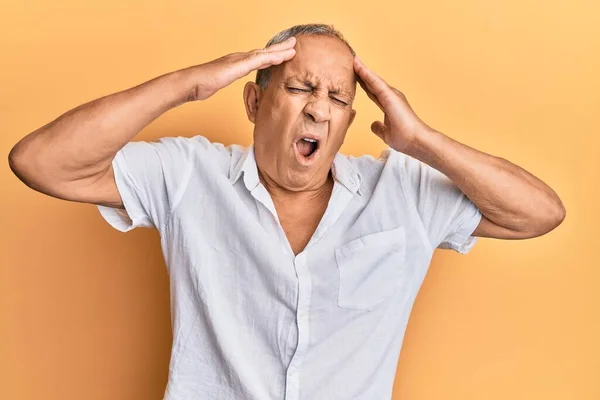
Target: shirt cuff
[133,215]
[461,240]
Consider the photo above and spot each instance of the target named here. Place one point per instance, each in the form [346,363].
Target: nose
[318,109]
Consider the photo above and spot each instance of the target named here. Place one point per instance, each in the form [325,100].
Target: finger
[264,60]
[286,44]
[272,55]
[378,128]
[370,94]
[260,60]
[376,85]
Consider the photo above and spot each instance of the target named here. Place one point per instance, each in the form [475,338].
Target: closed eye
[291,89]
[296,90]
[339,101]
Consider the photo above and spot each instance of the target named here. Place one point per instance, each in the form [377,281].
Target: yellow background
[85,309]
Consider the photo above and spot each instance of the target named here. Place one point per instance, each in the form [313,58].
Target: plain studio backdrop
[84,309]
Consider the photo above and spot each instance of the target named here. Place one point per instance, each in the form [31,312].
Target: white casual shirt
[250,320]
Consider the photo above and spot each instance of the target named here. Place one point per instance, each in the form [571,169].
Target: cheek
[339,127]
[274,122]
[283,113]
[288,105]
[272,110]
[341,121]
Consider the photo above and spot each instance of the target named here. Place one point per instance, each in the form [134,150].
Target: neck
[280,194]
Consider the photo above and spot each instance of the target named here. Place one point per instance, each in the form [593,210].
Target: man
[293,267]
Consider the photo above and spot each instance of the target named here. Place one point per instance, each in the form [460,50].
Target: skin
[515,204]
[495,185]
[71,157]
[281,112]
[311,92]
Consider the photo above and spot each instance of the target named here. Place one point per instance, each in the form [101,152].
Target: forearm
[505,193]
[83,141]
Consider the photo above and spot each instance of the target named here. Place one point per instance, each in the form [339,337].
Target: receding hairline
[263,76]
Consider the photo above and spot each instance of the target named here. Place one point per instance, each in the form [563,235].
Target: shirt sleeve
[150,177]
[448,215]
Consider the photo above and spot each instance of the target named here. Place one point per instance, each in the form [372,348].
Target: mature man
[293,267]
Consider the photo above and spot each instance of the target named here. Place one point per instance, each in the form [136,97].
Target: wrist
[184,86]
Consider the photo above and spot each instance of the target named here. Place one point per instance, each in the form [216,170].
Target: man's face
[308,97]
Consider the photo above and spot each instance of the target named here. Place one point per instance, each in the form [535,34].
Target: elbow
[17,163]
[552,220]
[558,211]
[554,214]
[560,214]
[544,223]
[26,166]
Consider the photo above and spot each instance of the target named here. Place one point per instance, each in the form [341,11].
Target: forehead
[321,60]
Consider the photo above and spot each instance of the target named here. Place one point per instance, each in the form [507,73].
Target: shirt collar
[247,165]
[342,169]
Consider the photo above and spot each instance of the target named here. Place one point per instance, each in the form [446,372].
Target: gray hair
[263,76]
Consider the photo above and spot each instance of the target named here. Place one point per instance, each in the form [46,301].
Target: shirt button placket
[304,289]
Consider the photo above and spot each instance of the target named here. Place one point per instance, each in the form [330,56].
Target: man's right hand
[219,73]
[71,157]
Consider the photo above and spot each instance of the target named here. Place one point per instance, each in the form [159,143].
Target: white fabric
[251,320]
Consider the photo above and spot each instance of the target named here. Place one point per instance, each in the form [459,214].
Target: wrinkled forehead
[321,61]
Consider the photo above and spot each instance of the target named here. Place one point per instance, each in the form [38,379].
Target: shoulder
[365,164]
[199,150]
[389,165]
[197,144]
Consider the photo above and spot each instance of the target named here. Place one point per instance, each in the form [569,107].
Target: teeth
[310,140]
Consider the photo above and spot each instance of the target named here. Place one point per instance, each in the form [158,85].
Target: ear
[252,94]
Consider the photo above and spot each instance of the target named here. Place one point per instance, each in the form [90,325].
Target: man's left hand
[400,125]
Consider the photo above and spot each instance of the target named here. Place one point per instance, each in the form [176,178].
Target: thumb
[378,128]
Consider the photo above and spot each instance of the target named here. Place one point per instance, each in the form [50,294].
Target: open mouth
[307,147]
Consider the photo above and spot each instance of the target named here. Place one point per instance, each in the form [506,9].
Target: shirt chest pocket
[371,269]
